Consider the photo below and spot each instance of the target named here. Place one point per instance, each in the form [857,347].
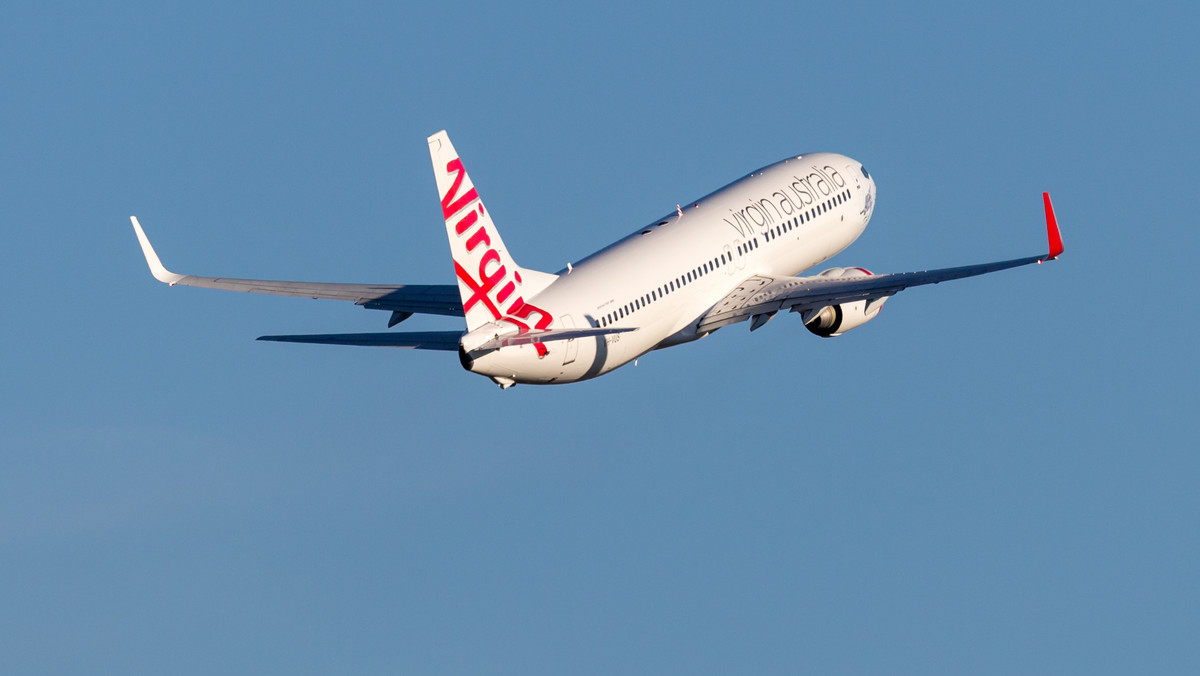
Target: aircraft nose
[869,198]
[870,180]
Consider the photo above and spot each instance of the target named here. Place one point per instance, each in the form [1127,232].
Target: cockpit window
[864,171]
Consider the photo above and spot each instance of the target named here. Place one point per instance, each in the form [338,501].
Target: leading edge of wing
[435,299]
[414,340]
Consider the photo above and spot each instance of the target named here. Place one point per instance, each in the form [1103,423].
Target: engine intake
[834,320]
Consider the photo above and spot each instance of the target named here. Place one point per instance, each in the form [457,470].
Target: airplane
[725,258]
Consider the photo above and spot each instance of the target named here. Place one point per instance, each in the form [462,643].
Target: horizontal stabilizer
[417,340]
[535,337]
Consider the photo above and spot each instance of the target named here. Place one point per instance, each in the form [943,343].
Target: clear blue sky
[998,475]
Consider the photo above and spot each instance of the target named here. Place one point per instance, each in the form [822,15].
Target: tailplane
[493,287]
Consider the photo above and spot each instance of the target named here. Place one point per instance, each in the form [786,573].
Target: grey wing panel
[417,340]
[764,295]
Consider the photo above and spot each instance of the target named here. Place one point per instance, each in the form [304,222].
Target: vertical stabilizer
[493,287]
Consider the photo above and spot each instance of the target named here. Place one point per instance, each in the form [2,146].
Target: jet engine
[834,320]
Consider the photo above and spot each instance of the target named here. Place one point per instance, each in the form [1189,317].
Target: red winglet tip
[1053,236]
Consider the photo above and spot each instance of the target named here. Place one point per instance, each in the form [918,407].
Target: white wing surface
[402,299]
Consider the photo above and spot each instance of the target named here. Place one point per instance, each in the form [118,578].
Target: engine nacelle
[834,320]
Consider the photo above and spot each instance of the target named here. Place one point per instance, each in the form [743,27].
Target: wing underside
[810,293]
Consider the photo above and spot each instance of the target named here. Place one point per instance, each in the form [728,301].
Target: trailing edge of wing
[418,340]
[433,299]
[805,293]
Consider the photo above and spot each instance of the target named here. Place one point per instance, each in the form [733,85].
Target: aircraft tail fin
[493,287]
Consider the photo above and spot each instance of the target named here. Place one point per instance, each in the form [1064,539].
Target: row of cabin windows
[748,246]
[668,288]
[724,259]
[807,216]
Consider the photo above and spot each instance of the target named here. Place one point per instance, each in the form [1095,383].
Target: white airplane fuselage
[663,278]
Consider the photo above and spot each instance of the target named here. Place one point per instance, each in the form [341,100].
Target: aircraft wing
[764,295]
[402,299]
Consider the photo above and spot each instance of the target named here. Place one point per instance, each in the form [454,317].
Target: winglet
[156,267]
[1053,236]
